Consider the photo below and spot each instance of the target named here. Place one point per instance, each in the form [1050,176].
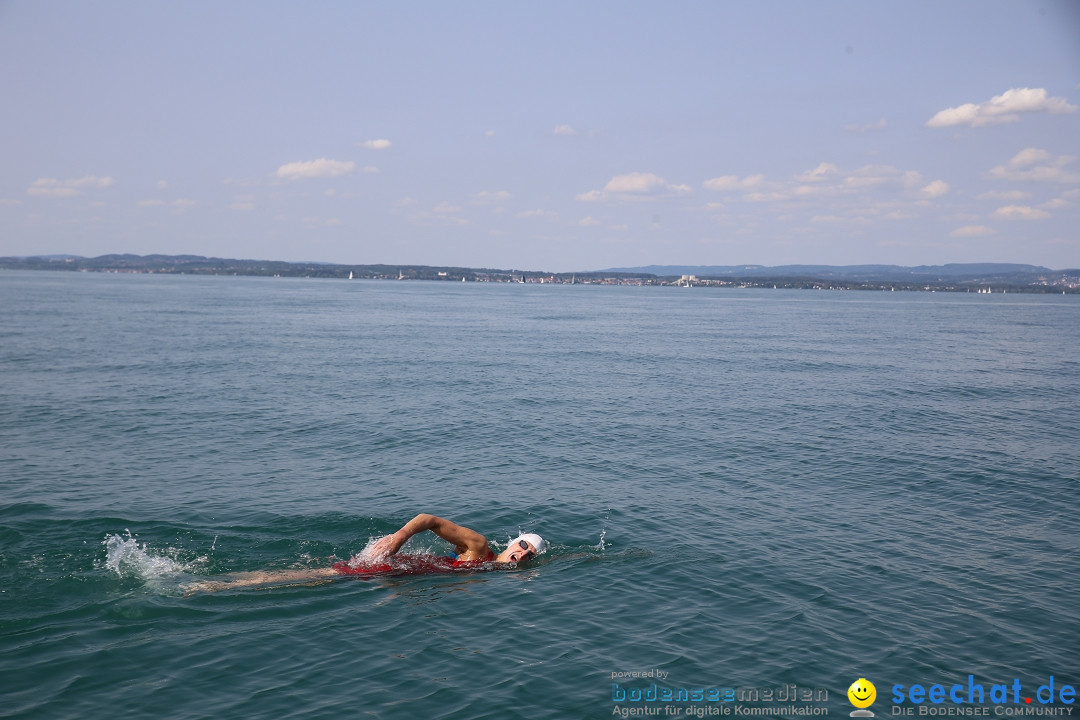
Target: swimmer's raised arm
[467,542]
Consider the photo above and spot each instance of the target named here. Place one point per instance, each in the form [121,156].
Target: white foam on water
[128,559]
[365,555]
[402,557]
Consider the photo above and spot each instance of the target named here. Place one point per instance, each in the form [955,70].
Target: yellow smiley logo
[862,693]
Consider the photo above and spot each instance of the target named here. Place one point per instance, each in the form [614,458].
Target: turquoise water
[743,489]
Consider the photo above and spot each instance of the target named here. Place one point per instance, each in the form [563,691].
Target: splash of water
[365,556]
[600,545]
[128,559]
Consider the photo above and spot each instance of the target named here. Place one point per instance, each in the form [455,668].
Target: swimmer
[469,545]
[471,549]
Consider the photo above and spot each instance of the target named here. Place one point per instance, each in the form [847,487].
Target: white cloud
[51,187]
[635,182]
[333,222]
[162,184]
[1020,212]
[901,215]
[827,180]
[1034,164]
[565,130]
[588,221]
[752,181]
[853,218]
[548,214]
[936,189]
[831,195]
[591,196]
[9,201]
[642,183]
[321,168]
[243,203]
[370,170]
[1008,195]
[440,218]
[445,207]
[381,144]
[1030,156]
[824,171]
[489,133]
[764,197]
[179,205]
[1004,108]
[406,201]
[972,231]
[728,183]
[634,186]
[490,197]
[868,127]
[722,183]
[878,175]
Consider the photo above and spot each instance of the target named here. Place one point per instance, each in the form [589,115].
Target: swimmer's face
[518,552]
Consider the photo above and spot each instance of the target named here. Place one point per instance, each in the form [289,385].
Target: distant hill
[953,272]
[959,277]
[199,265]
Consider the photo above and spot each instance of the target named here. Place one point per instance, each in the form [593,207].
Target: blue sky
[548,136]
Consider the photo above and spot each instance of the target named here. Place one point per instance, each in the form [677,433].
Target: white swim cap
[533,539]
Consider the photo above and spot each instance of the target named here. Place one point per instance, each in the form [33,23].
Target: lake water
[744,491]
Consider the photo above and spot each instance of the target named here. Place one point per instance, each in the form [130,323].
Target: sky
[557,136]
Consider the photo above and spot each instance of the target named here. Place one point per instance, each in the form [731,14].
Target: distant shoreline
[982,278]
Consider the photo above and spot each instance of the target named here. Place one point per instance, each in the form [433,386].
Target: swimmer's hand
[385,546]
